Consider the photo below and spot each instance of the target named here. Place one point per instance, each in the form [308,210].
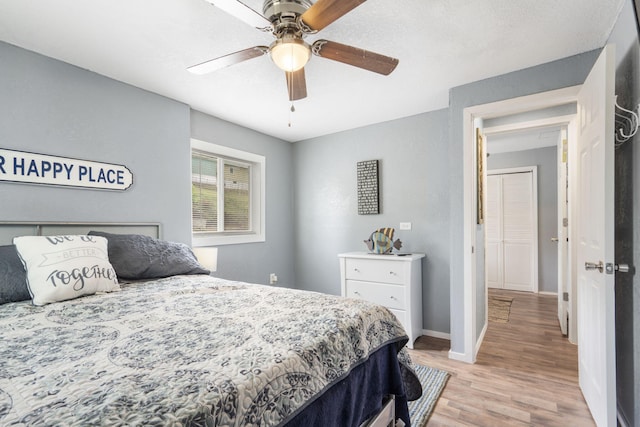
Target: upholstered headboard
[9,230]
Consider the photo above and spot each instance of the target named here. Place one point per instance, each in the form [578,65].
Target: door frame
[471,116]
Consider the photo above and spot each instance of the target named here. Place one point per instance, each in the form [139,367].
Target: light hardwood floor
[526,373]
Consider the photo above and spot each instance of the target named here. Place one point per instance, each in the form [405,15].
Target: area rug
[499,309]
[433,381]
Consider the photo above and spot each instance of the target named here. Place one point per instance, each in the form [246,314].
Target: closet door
[518,230]
[493,224]
[511,245]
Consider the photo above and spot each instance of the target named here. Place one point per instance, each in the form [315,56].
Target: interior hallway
[526,373]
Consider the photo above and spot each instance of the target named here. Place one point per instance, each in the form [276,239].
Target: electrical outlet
[273,279]
[405,226]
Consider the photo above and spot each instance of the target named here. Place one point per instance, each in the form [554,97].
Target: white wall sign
[19,166]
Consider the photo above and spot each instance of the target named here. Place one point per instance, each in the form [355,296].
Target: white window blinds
[228,188]
[209,198]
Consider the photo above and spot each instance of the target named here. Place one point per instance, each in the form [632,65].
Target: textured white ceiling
[440,44]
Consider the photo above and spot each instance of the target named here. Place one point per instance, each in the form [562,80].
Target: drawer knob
[356,270]
[393,273]
[356,293]
[393,298]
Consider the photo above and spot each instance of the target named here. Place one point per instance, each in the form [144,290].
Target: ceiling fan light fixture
[290,54]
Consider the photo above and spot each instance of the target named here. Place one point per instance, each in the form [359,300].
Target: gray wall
[554,75]
[413,188]
[545,160]
[50,107]
[627,205]
[252,262]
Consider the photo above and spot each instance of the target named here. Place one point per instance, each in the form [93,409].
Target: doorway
[475,293]
[528,140]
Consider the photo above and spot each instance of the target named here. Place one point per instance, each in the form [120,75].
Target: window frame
[257,191]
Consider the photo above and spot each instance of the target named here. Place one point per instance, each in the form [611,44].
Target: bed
[184,348]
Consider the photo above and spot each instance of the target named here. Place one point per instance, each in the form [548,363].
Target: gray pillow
[136,257]
[13,277]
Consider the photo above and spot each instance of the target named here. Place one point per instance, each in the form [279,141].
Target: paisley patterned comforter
[186,350]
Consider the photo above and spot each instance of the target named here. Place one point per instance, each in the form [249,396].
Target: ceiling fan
[290,21]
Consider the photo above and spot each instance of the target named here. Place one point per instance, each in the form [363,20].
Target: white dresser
[389,280]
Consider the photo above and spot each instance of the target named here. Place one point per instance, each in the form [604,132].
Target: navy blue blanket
[360,395]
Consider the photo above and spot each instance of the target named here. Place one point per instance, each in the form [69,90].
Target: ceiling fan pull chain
[291,111]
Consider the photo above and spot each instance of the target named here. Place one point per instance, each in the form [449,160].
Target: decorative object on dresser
[391,281]
[381,241]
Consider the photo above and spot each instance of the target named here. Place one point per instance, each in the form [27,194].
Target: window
[227,195]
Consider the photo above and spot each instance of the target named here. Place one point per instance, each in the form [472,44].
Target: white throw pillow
[65,267]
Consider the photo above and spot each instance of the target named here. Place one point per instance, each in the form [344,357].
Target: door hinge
[565,296]
[565,222]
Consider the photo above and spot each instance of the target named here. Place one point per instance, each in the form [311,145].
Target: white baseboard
[548,293]
[436,334]
[480,339]
[461,357]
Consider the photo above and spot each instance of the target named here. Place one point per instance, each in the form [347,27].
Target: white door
[511,228]
[595,163]
[563,234]
[520,232]
[493,227]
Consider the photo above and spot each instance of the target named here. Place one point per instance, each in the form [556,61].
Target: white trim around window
[257,195]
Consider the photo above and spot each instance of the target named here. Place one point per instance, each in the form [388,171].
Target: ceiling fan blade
[227,60]
[324,12]
[243,12]
[355,56]
[296,84]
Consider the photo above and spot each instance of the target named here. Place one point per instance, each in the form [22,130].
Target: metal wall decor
[368,200]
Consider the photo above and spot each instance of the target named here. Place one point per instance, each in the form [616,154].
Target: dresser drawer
[382,270]
[391,296]
[402,317]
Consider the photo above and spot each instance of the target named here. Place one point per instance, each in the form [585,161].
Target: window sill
[227,240]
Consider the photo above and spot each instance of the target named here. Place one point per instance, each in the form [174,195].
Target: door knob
[620,268]
[594,266]
[554,239]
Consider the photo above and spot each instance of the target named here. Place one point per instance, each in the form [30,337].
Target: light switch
[405,226]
